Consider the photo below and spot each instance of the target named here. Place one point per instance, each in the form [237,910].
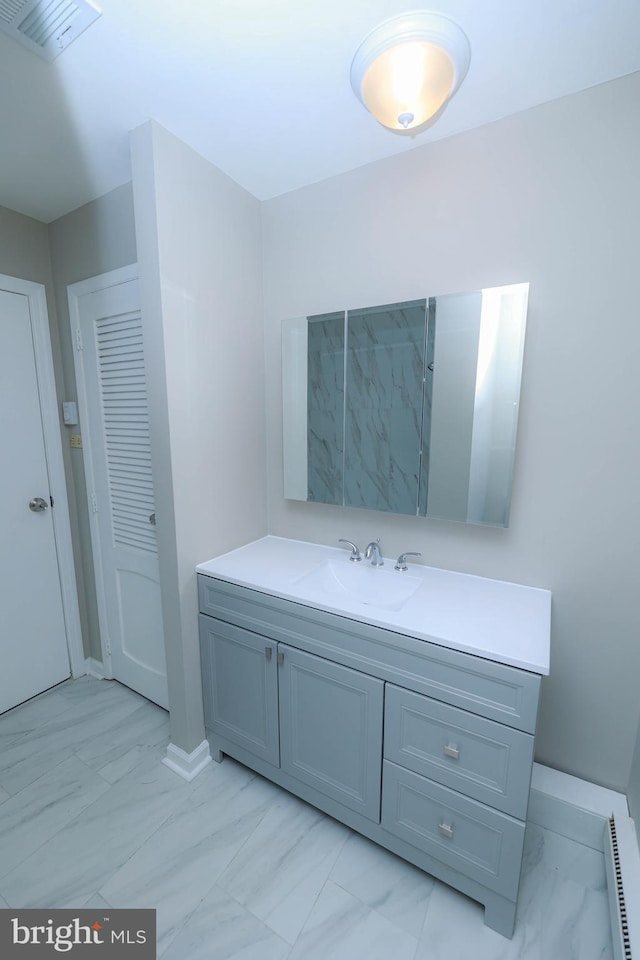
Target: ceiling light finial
[406,69]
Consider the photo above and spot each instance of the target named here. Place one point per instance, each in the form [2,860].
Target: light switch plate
[70,412]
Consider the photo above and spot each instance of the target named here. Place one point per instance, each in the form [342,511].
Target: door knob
[38,504]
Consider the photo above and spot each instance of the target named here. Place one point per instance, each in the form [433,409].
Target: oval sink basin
[360,582]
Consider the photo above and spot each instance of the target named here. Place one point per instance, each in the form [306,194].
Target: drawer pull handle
[267,652]
[450,750]
[446,830]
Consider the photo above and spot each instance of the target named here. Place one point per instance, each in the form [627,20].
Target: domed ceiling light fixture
[406,69]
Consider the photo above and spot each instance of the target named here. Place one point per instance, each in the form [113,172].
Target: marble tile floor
[236,868]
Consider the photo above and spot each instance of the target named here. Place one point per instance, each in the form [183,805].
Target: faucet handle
[355,553]
[401,563]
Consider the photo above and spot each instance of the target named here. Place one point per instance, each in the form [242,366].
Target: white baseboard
[572,807]
[187,765]
[94,668]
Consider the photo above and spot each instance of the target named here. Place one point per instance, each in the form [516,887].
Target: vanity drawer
[473,839]
[478,757]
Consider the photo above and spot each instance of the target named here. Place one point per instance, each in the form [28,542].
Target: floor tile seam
[546,873]
[40,698]
[72,817]
[11,746]
[237,854]
[123,719]
[98,770]
[19,737]
[247,909]
[324,883]
[77,699]
[82,813]
[367,911]
[146,838]
[128,719]
[68,754]
[95,773]
[73,746]
[569,873]
[260,920]
[436,883]
[106,899]
[309,912]
[418,944]
[186,918]
[377,912]
[87,685]
[160,753]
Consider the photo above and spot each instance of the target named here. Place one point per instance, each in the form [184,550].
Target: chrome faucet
[401,563]
[373,553]
[355,553]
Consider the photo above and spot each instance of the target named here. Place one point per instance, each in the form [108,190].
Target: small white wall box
[70,412]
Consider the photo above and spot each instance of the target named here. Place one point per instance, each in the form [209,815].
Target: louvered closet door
[121,500]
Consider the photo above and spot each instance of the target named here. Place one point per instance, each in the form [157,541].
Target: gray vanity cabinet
[480,758]
[320,722]
[468,836]
[426,750]
[331,729]
[240,687]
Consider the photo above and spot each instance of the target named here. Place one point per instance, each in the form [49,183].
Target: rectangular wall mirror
[410,407]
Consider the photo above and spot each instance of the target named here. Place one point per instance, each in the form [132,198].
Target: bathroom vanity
[402,704]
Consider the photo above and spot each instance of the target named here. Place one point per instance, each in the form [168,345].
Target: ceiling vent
[46,27]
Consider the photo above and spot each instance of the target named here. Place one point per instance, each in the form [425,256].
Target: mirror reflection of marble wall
[408,407]
[385,364]
[325,408]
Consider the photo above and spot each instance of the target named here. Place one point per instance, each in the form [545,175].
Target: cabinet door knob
[450,750]
[446,830]
[267,652]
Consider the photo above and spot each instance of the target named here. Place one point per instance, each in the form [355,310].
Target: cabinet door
[240,683]
[331,729]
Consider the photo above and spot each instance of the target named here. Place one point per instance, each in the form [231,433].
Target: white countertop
[500,621]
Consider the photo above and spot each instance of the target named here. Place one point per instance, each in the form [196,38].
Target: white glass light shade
[408,67]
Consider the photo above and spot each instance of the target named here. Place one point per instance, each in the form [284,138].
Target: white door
[33,641]
[105,314]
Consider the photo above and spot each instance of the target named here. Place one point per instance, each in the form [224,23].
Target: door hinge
[107,647]
[78,339]
[94,503]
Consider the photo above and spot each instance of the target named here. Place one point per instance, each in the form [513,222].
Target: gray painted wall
[98,237]
[25,253]
[633,787]
[94,239]
[552,196]
[199,244]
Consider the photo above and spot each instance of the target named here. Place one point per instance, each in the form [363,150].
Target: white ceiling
[261,87]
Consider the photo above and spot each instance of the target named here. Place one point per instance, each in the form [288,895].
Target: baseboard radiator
[622,862]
